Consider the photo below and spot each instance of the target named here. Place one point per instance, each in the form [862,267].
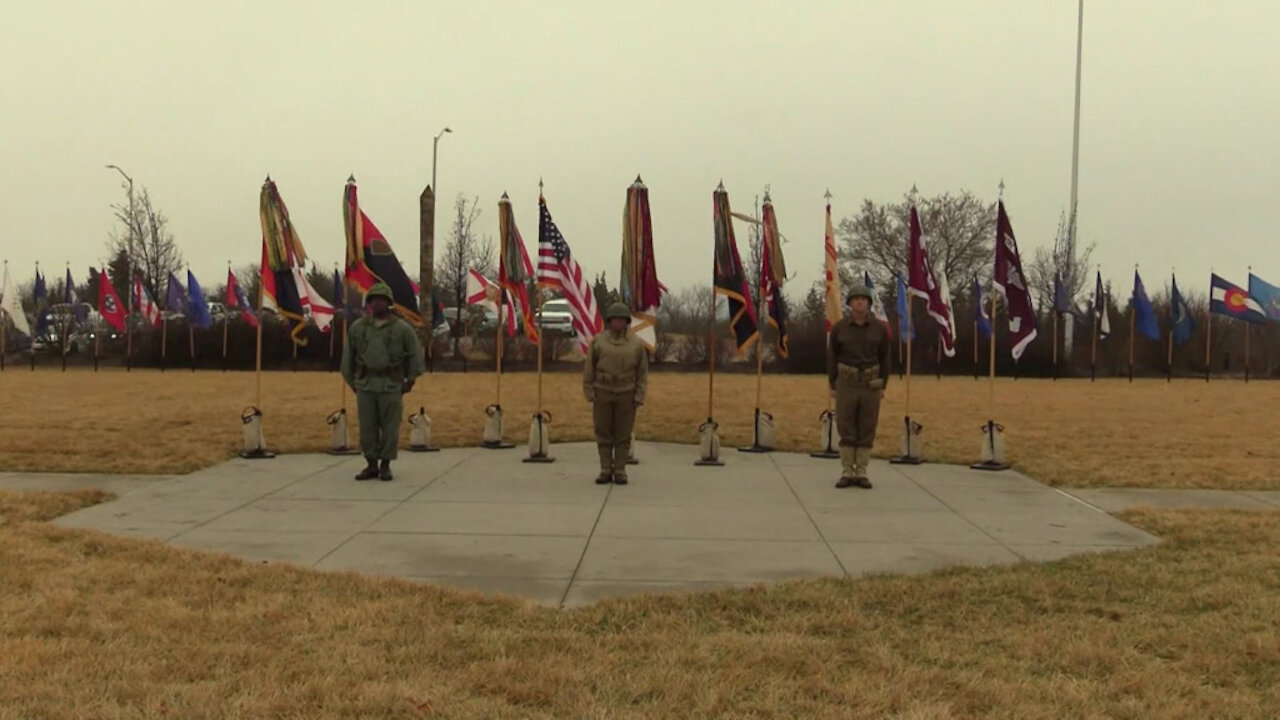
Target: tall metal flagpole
[1075,141]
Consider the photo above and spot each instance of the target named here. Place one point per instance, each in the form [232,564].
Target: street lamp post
[128,322]
[435,147]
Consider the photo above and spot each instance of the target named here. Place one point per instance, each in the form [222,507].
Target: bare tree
[464,251]
[1068,261]
[146,241]
[959,232]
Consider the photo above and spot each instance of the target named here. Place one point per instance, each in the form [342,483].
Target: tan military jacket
[616,364]
[861,346]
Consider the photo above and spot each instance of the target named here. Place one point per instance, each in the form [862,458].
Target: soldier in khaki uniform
[857,369]
[381,360]
[614,379]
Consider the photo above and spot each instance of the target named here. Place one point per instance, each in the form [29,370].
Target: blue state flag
[175,300]
[197,308]
[1144,319]
[42,306]
[905,331]
[1061,298]
[1267,295]
[980,310]
[1181,322]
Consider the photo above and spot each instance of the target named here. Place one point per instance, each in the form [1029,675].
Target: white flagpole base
[911,444]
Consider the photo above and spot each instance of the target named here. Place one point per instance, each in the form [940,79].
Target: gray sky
[1180,145]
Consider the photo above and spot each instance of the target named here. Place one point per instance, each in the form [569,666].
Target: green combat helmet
[618,310]
[379,289]
[858,291]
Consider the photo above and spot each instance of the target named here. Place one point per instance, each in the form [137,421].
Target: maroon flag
[922,283]
[1012,284]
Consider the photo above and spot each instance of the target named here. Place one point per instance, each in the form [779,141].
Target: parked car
[555,317]
[217,312]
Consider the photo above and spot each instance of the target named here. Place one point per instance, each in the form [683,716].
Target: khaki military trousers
[379,415]
[857,410]
[614,415]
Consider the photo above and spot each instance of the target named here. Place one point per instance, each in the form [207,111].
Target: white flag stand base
[631,451]
[992,448]
[493,430]
[337,422]
[539,440]
[709,444]
[764,434]
[911,444]
[420,432]
[255,446]
[830,437]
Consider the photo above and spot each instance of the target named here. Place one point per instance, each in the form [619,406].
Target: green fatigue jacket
[860,346]
[616,365]
[380,356]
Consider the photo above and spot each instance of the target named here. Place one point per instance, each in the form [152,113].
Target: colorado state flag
[1233,301]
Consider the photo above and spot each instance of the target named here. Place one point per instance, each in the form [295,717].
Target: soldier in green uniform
[615,376]
[381,360]
[857,370]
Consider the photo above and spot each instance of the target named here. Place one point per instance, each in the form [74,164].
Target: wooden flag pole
[1208,344]
[991,361]
[1055,344]
[540,303]
[1246,350]
[910,335]
[711,358]
[164,340]
[191,342]
[1132,325]
[226,317]
[497,352]
[975,349]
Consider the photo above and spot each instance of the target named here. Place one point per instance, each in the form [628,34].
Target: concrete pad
[1120,499]
[966,498]
[283,516]
[662,560]
[544,591]
[746,522]
[585,592]
[558,485]
[219,485]
[703,487]
[424,555]
[1081,527]
[120,485]
[865,558]
[1051,553]
[157,518]
[897,526]
[931,475]
[573,520]
[891,491]
[1271,497]
[339,483]
[300,548]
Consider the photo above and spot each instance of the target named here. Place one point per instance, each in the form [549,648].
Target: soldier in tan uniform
[614,379]
[857,370]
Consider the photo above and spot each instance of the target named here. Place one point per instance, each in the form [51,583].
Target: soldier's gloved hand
[407,387]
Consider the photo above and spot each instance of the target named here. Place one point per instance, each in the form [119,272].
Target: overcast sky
[1180,139]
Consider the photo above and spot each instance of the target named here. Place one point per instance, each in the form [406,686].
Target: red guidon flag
[109,303]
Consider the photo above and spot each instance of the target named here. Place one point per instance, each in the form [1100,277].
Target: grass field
[1148,433]
[103,627]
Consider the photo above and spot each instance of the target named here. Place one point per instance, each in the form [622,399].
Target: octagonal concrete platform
[482,519]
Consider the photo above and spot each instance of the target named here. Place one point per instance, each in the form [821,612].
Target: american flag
[557,269]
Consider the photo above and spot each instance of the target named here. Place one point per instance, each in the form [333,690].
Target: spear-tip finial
[268,180]
[504,197]
[351,179]
[827,195]
[720,187]
[1001,186]
[767,187]
[638,180]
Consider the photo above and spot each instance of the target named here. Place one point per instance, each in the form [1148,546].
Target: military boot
[620,454]
[847,471]
[862,458]
[384,472]
[371,470]
[606,465]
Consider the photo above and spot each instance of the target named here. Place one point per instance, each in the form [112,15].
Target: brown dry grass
[104,627]
[1149,433]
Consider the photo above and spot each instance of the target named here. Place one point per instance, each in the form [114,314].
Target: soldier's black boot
[370,472]
[606,464]
[384,472]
